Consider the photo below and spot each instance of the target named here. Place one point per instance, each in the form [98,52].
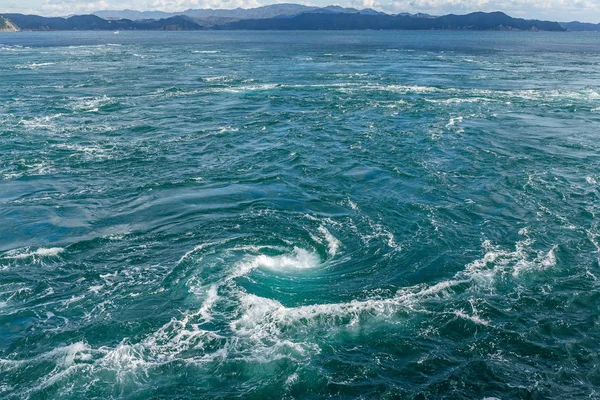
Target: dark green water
[284,215]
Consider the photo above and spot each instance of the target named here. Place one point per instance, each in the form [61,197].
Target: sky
[555,10]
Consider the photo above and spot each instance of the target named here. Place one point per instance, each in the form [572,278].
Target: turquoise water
[285,215]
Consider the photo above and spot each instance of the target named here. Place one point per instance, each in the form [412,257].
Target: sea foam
[27,253]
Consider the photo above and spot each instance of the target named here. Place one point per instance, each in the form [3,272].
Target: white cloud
[557,9]
[369,4]
[67,7]
[178,5]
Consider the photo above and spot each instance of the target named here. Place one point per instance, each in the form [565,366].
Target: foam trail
[266,317]
[263,317]
[333,243]
[300,259]
[41,252]
[211,298]
[473,318]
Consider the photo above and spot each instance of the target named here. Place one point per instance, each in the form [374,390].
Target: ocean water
[299,215]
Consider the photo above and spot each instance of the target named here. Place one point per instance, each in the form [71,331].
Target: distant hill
[324,21]
[7,26]
[326,18]
[93,22]
[134,15]
[580,26]
[271,11]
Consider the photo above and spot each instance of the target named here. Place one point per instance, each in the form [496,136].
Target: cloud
[178,5]
[67,7]
[524,8]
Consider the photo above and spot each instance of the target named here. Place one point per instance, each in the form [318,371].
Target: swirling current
[299,215]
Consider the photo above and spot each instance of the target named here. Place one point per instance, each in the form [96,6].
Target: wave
[28,253]
[247,88]
[473,318]
[220,78]
[299,259]
[34,65]
[449,96]
[333,244]
[40,122]
[90,104]
[13,48]
[259,329]
[89,152]
[264,318]
[460,95]
[24,167]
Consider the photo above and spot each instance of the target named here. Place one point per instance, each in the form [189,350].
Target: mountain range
[281,17]
[580,26]
[272,11]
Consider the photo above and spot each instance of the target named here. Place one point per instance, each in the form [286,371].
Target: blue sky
[561,10]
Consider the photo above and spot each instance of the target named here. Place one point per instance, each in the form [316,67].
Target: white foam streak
[473,318]
[454,121]
[403,89]
[504,262]
[124,357]
[34,65]
[90,104]
[300,259]
[549,260]
[248,88]
[27,253]
[264,318]
[65,356]
[333,244]
[211,298]
[199,248]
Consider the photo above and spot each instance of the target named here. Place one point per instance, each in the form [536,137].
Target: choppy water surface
[299,215]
